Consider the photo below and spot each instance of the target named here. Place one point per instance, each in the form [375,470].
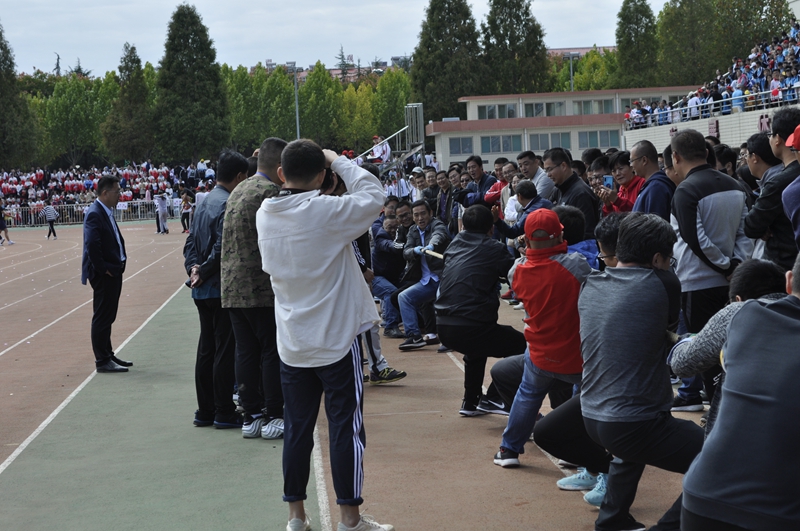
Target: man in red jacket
[548,283]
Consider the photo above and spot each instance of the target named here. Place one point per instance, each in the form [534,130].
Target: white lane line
[10,459]
[36,258]
[322,491]
[45,327]
[38,293]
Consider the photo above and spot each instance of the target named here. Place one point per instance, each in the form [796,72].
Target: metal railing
[73,214]
[755,101]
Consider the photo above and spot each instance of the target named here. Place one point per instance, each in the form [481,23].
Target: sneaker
[2,240]
[704,419]
[431,339]
[519,306]
[295,524]
[442,349]
[470,410]
[55,237]
[692,404]
[387,375]
[506,458]
[674,380]
[513,302]
[393,332]
[201,420]
[10,242]
[273,429]
[493,406]
[630,525]
[596,495]
[412,343]
[566,464]
[583,480]
[365,378]
[251,428]
[229,421]
[367,523]
[507,296]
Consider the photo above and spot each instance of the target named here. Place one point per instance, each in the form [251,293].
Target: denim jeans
[410,300]
[383,289]
[530,395]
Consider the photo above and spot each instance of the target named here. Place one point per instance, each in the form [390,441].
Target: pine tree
[637,45]
[342,64]
[128,129]
[17,136]
[513,49]
[446,63]
[191,104]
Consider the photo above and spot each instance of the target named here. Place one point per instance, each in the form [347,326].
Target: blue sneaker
[596,495]
[583,480]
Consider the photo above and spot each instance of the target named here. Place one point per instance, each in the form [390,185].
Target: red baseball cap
[794,139]
[546,220]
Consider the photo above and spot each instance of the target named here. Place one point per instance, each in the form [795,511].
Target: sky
[248,32]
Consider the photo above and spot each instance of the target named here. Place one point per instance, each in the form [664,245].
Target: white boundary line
[77,390]
[45,327]
[322,491]
[35,258]
[10,304]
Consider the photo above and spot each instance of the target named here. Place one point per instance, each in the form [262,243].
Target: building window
[488,112]
[461,145]
[557,108]
[534,110]
[501,144]
[598,139]
[593,107]
[508,110]
[560,140]
[540,142]
[624,102]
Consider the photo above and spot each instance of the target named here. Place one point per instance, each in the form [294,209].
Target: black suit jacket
[100,248]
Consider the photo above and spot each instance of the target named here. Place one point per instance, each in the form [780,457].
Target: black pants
[698,307]
[105,304]
[51,229]
[694,522]
[213,370]
[158,224]
[507,375]
[257,366]
[343,386]
[562,434]
[185,220]
[477,343]
[664,442]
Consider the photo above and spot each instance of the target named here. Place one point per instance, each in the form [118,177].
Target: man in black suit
[103,264]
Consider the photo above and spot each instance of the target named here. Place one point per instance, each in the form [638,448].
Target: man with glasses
[570,189]
[655,194]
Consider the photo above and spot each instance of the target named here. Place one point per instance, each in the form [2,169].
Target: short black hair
[714,141]
[512,163]
[690,145]
[578,166]
[269,153]
[574,223]
[230,164]
[403,203]
[711,156]
[372,168]
[302,160]
[785,121]
[590,155]
[526,189]
[667,155]
[645,148]
[726,155]
[557,156]
[419,203]
[500,160]
[390,198]
[600,164]
[526,155]
[476,159]
[477,218]
[620,158]
[758,144]
[106,182]
[755,278]
[252,166]
[641,236]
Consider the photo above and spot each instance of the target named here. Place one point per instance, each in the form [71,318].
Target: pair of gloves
[419,250]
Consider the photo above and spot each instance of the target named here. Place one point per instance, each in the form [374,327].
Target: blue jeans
[410,300]
[383,289]
[530,395]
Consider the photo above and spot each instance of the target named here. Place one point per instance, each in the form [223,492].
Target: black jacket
[436,235]
[473,263]
[450,215]
[575,192]
[387,258]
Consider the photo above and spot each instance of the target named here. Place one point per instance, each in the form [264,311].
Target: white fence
[73,214]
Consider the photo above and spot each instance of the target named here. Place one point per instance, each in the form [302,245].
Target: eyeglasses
[604,256]
[673,262]
[550,170]
[637,158]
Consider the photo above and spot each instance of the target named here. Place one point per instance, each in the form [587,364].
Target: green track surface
[124,454]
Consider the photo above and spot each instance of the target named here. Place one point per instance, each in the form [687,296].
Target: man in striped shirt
[50,214]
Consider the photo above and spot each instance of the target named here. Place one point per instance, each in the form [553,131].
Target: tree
[513,49]
[391,97]
[17,138]
[247,108]
[278,96]
[78,70]
[637,45]
[70,118]
[446,63]
[687,50]
[128,129]
[342,64]
[358,118]
[746,22]
[191,105]
[320,106]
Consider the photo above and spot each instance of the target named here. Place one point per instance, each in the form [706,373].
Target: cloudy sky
[249,32]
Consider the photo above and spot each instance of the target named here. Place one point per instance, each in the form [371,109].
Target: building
[505,125]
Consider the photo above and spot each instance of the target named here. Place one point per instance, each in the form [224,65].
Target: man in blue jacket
[475,191]
[655,196]
[528,200]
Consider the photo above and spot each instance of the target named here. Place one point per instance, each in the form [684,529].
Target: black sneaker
[682,404]
[387,375]
[201,420]
[442,349]
[506,458]
[493,406]
[432,340]
[412,343]
[469,409]
[228,421]
[393,332]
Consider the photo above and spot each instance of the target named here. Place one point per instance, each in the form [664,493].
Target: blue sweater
[655,196]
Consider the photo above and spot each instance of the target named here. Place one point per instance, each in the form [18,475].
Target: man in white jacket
[305,241]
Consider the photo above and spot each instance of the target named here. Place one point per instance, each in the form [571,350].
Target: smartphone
[608,181]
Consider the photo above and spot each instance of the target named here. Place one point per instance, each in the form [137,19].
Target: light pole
[293,64]
[570,56]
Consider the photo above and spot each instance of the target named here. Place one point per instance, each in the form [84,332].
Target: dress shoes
[121,362]
[110,366]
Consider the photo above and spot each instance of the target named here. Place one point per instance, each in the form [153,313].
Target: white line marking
[45,327]
[322,490]
[36,258]
[38,293]
[77,390]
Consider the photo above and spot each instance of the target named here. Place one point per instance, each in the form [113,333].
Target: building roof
[582,51]
[582,94]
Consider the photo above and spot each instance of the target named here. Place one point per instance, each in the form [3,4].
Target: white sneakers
[295,524]
[366,524]
[272,429]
